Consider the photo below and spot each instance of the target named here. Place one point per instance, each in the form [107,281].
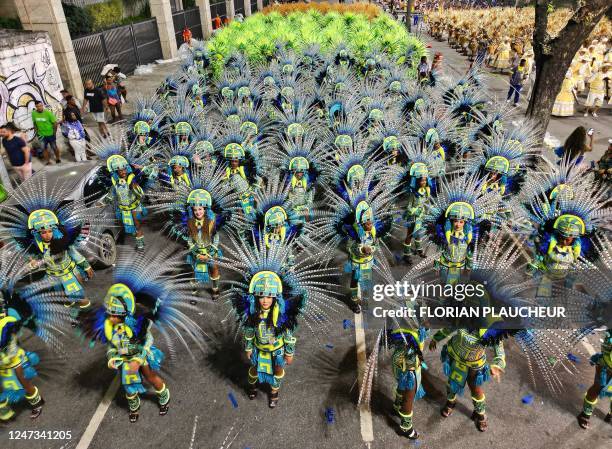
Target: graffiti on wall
[20,89]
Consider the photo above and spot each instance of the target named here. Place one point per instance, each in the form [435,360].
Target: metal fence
[253,6]
[239,7]
[217,7]
[126,46]
[189,18]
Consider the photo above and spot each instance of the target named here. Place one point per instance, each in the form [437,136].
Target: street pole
[409,9]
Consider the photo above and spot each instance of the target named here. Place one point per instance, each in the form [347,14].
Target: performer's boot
[407,253]
[252,389]
[451,403]
[479,416]
[215,287]
[406,426]
[397,403]
[36,402]
[140,243]
[587,411]
[418,247]
[134,405]
[273,400]
[6,412]
[355,300]
[163,398]
[274,389]
[195,291]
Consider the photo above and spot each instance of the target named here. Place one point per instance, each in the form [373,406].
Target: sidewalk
[455,64]
[145,85]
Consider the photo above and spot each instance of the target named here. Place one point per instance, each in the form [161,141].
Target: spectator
[71,107]
[45,125]
[75,132]
[604,166]
[121,77]
[517,79]
[187,35]
[17,150]
[65,95]
[437,62]
[216,22]
[423,69]
[576,144]
[113,98]
[597,92]
[96,98]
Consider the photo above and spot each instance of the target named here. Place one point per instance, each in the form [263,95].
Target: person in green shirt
[45,124]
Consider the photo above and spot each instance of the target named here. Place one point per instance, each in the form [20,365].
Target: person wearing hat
[361,251]
[268,345]
[419,196]
[127,195]
[131,350]
[597,92]
[64,265]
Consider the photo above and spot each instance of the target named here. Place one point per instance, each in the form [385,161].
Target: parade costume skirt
[69,283]
[360,272]
[563,107]
[406,381]
[132,382]
[605,377]
[127,219]
[12,390]
[265,362]
[457,372]
[201,270]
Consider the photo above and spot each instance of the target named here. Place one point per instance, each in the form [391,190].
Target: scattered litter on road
[346,324]
[146,69]
[573,358]
[328,346]
[232,399]
[527,399]
[330,415]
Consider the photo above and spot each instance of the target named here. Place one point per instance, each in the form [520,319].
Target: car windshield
[94,189]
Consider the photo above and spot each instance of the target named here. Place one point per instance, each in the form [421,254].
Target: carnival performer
[602,385]
[563,226]
[53,234]
[145,295]
[127,173]
[198,212]
[420,186]
[268,303]
[454,220]
[37,308]
[362,222]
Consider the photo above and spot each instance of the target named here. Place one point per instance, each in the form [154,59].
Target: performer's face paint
[198,212]
[46,235]
[177,170]
[458,225]
[122,173]
[265,302]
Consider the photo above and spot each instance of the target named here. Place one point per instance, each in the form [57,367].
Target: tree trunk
[409,8]
[553,56]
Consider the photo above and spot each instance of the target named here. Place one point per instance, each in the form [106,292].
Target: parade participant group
[500,38]
[261,173]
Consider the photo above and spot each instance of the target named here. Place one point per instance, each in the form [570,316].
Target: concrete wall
[28,72]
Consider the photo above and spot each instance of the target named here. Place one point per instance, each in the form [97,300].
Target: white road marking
[588,346]
[98,416]
[193,431]
[365,415]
